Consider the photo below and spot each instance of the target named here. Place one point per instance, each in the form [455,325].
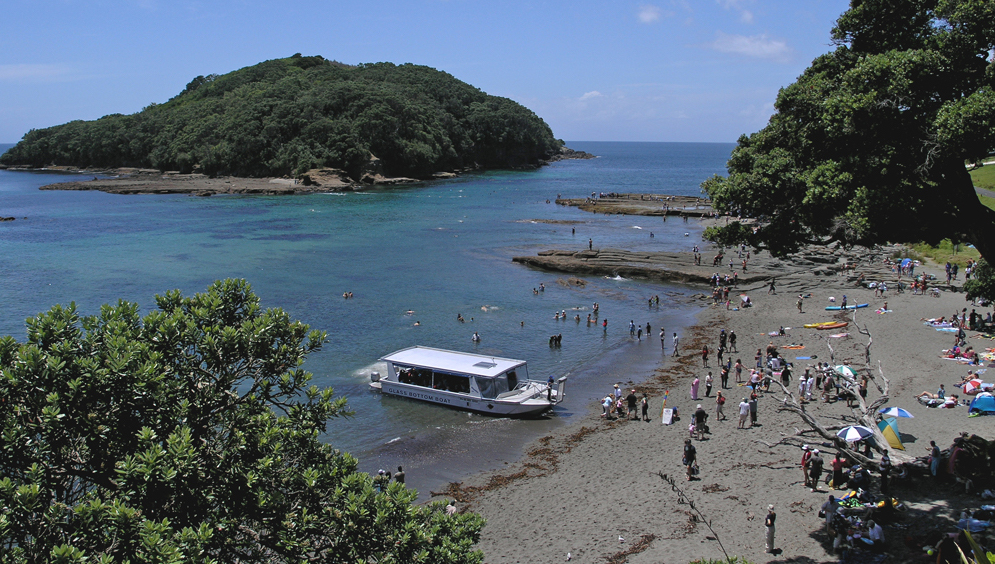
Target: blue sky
[666,70]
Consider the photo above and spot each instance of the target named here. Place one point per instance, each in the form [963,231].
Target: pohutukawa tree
[869,145]
[191,435]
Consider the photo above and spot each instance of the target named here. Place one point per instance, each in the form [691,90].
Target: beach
[594,491]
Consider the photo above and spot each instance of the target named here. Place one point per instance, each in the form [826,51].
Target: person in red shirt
[806,454]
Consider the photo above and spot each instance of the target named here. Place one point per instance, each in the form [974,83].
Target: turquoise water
[438,249]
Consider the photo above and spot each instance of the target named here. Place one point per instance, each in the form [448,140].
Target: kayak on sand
[837,308]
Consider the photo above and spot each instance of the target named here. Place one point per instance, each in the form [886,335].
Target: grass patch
[947,251]
[987,202]
[984,177]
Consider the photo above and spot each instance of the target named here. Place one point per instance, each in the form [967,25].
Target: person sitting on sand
[970,376]
[950,402]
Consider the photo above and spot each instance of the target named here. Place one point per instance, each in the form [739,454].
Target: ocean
[438,249]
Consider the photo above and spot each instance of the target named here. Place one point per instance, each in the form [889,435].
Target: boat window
[416,376]
[512,380]
[451,383]
[490,388]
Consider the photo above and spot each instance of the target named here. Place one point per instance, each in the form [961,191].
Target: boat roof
[452,361]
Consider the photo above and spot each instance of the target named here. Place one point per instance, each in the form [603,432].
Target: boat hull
[529,408]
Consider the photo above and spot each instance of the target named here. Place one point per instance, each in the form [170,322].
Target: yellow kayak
[821,323]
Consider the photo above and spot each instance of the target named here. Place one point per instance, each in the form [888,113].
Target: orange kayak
[837,325]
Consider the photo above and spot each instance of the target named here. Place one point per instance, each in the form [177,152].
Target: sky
[666,70]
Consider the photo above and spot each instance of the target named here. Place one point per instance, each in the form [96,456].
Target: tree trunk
[975,221]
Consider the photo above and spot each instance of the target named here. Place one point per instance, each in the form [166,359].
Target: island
[302,124]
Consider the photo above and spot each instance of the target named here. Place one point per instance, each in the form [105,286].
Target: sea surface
[438,249]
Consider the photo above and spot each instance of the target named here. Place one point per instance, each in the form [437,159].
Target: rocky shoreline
[130,180]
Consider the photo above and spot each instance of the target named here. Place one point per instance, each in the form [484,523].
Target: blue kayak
[837,308]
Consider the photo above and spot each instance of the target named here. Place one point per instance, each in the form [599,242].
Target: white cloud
[34,73]
[757,46]
[591,94]
[649,13]
[745,15]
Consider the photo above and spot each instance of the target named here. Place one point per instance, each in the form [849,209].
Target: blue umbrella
[906,262]
[895,412]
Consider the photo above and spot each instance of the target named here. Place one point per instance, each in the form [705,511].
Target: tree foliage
[286,116]
[190,435]
[870,143]
[982,282]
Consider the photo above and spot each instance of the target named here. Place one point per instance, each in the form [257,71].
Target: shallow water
[436,249]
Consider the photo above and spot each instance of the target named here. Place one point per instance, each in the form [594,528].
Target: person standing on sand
[694,388]
[806,454]
[772,289]
[724,376]
[753,409]
[699,422]
[646,407]
[630,401]
[590,244]
[690,458]
[704,356]
[708,383]
[676,345]
[744,412]
[769,525]
[799,303]
[934,459]
[663,339]
[732,342]
[815,470]
[720,402]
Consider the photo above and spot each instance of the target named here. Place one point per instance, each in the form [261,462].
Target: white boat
[474,382]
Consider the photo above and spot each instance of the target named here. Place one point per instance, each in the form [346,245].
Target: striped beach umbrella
[854,433]
[846,371]
[895,412]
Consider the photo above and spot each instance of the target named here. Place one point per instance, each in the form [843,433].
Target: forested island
[285,117]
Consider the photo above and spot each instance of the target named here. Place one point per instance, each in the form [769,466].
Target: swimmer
[409,312]
[417,323]
[476,337]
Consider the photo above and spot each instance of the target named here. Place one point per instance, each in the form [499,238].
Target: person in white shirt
[744,412]
[876,535]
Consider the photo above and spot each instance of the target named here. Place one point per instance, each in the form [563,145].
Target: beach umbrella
[895,412]
[906,262]
[889,428]
[846,371]
[854,433]
[971,385]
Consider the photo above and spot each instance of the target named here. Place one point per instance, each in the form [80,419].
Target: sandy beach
[594,490]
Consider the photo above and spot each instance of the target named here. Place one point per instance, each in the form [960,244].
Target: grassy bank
[944,252]
[984,177]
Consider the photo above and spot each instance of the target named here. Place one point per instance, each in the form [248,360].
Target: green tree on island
[869,145]
[191,435]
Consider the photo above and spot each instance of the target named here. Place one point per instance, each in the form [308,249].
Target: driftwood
[864,414]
